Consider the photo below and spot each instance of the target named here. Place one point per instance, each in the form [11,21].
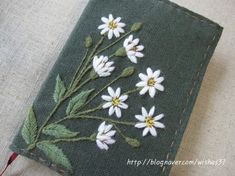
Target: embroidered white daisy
[112,26]
[115,101]
[102,66]
[150,82]
[148,122]
[133,50]
[104,136]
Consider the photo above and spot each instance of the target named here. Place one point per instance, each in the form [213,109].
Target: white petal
[123,97]
[160,79]
[133,59]
[118,112]
[131,53]
[141,84]
[156,73]
[140,125]
[126,41]
[105,20]
[144,90]
[140,118]
[140,48]
[102,26]
[158,117]
[123,105]
[121,25]
[101,127]
[111,111]
[153,131]
[117,20]
[143,77]
[159,87]
[107,128]
[120,30]
[107,105]
[106,98]
[145,131]
[159,125]
[111,92]
[152,92]
[102,137]
[100,144]
[110,17]
[144,112]
[139,54]
[151,112]
[110,34]
[111,133]
[105,146]
[130,37]
[116,33]
[110,141]
[104,31]
[118,92]
[149,72]
[136,41]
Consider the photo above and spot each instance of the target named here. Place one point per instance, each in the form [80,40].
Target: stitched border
[187,101]
[196,18]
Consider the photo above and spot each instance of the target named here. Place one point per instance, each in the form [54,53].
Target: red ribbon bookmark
[11,159]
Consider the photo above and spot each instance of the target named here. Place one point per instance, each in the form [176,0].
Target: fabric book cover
[121,91]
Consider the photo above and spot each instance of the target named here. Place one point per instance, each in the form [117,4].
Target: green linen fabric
[177,41]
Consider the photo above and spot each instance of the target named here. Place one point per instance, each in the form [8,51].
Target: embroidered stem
[57,106]
[112,55]
[132,91]
[119,131]
[91,110]
[105,119]
[101,90]
[81,76]
[112,44]
[95,118]
[78,69]
[76,89]
[90,138]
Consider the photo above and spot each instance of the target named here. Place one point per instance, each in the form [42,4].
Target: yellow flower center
[115,101]
[151,82]
[112,25]
[149,122]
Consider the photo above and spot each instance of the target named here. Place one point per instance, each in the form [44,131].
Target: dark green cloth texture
[177,41]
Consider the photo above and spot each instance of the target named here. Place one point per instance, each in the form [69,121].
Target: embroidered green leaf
[76,102]
[59,131]
[136,27]
[59,89]
[127,72]
[133,142]
[121,52]
[29,128]
[55,154]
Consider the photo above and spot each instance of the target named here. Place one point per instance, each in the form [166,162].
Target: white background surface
[32,33]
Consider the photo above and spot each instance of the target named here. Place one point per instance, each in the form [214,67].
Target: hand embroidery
[150,82]
[93,66]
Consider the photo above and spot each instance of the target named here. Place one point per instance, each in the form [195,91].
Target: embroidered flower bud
[102,66]
[132,142]
[121,52]
[136,27]
[93,74]
[93,136]
[127,72]
[88,42]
